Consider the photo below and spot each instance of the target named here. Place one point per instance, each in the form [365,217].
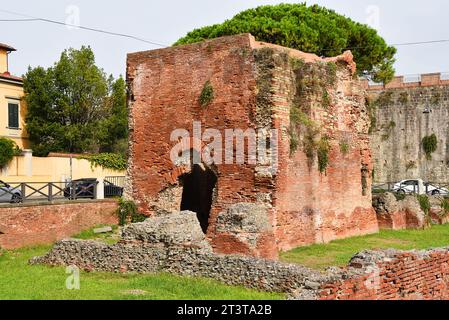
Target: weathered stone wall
[30,225]
[255,85]
[400,125]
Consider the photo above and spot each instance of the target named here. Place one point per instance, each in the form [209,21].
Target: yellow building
[12,106]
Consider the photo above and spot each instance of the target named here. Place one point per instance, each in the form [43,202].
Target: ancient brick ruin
[321,188]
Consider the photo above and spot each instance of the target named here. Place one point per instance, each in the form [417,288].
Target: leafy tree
[311,29]
[113,130]
[71,105]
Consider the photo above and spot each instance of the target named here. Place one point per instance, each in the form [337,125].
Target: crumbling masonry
[321,189]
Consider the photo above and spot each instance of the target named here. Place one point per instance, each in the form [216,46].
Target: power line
[31,19]
[393,45]
[17,20]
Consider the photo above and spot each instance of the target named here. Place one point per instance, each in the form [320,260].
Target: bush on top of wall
[8,149]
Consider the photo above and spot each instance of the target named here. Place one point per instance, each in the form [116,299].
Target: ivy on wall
[312,83]
[111,161]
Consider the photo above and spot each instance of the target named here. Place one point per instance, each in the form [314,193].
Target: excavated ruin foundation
[175,243]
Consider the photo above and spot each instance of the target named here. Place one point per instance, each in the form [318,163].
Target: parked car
[111,190]
[419,187]
[436,190]
[85,189]
[81,188]
[9,194]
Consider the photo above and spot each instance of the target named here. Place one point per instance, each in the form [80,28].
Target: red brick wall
[401,276]
[30,225]
[395,221]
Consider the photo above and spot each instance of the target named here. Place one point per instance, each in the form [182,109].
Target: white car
[419,187]
[9,194]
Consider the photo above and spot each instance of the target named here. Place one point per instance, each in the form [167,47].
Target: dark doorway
[198,193]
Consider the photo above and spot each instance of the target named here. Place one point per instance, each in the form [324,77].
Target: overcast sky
[165,21]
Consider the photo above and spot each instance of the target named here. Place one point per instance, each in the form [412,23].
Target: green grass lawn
[338,253]
[18,280]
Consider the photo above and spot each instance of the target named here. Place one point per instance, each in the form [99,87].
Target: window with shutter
[13,115]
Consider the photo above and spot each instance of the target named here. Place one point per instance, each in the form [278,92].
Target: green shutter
[13,115]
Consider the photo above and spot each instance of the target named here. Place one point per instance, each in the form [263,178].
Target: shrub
[399,196]
[424,203]
[445,207]
[128,212]
[8,149]
[430,145]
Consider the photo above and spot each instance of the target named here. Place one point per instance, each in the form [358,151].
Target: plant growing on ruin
[294,140]
[385,98]
[310,29]
[299,121]
[388,128]
[344,147]
[424,203]
[128,212]
[8,149]
[410,165]
[436,97]
[296,64]
[207,94]
[399,196]
[331,70]
[324,148]
[445,207]
[371,108]
[326,102]
[403,98]
[313,79]
[430,145]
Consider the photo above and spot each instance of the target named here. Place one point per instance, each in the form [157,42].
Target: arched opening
[198,191]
